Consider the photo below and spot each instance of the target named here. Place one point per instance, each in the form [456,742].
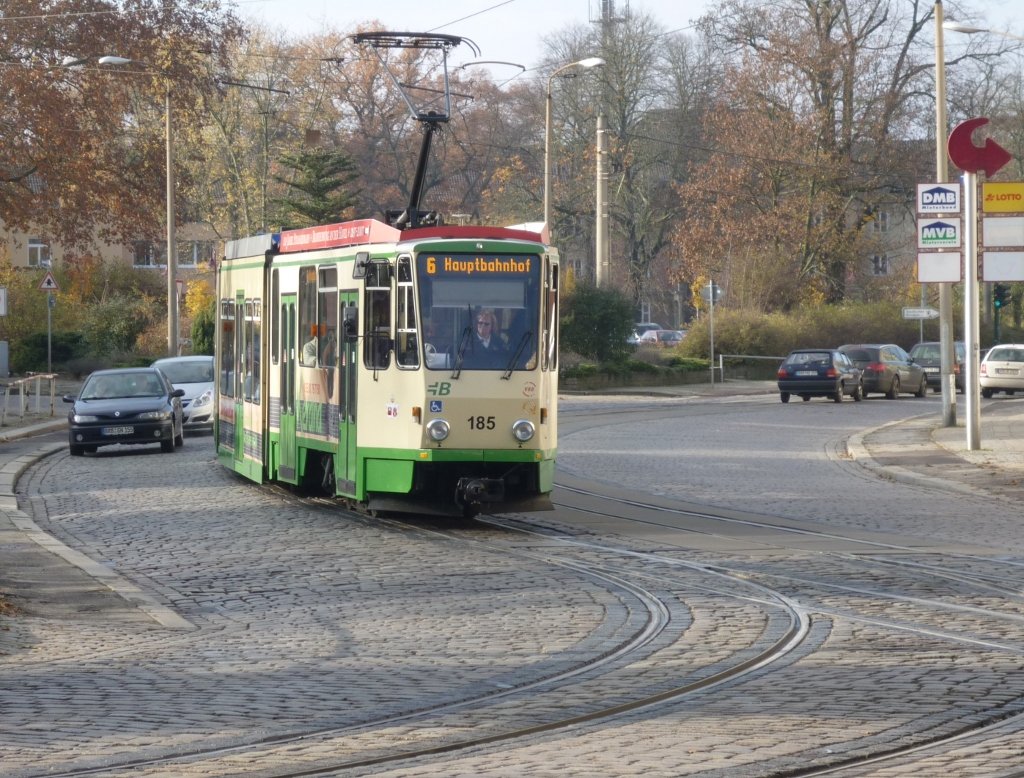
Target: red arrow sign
[967,156]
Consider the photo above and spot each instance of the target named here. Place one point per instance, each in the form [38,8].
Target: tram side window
[407,352]
[377,343]
[251,384]
[308,330]
[275,321]
[227,348]
[550,342]
[327,317]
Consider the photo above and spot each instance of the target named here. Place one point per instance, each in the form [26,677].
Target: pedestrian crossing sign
[48,284]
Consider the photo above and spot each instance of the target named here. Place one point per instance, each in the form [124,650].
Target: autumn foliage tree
[810,135]
[70,165]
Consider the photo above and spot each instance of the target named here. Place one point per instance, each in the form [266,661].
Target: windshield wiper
[515,357]
[457,369]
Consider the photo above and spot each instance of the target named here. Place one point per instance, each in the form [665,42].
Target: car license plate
[806,373]
[931,370]
[118,430]
[1006,371]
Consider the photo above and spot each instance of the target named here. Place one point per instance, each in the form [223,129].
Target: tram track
[827,600]
[537,702]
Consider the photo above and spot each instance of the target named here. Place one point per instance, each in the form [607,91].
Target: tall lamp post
[589,62]
[946,358]
[172,254]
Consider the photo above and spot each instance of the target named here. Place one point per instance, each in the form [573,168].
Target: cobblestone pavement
[159,645]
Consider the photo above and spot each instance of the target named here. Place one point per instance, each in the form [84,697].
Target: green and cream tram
[355,359]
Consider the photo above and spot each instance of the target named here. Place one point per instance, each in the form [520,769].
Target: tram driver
[487,348]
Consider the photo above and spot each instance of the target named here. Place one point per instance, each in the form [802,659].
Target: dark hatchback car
[929,356]
[819,372]
[887,369]
[131,405]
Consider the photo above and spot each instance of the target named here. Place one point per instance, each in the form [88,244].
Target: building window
[196,252]
[880,265]
[38,253]
[881,222]
[146,254]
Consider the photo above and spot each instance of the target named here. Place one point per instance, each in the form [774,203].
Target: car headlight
[204,399]
[523,430]
[154,415]
[438,430]
[81,418]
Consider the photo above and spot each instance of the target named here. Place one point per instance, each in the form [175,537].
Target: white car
[1002,369]
[194,374]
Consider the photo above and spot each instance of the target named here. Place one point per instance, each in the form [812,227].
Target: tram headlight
[438,430]
[523,430]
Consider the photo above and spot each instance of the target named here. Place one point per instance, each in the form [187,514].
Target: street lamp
[172,256]
[968,30]
[942,176]
[589,62]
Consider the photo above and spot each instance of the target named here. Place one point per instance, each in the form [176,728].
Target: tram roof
[366,231]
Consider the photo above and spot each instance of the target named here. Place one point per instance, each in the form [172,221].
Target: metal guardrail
[21,388]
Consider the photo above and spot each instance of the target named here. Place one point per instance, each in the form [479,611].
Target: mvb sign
[938,233]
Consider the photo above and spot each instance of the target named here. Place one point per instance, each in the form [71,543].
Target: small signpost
[49,285]
[920,313]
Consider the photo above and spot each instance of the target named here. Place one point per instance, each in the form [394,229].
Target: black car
[131,405]
[929,356]
[819,372]
[887,369]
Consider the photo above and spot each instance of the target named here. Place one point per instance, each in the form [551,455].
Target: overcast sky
[511,30]
[505,30]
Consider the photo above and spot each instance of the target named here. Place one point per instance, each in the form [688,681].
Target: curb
[9,474]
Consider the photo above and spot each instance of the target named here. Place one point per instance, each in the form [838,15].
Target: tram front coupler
[474,491]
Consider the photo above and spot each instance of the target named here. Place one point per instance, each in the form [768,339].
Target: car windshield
[106,387]
[188,372]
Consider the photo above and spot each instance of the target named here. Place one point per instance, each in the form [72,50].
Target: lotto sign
[1003,197]
[938,233]
[938,198]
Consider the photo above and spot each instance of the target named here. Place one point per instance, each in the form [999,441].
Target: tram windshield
[479,311]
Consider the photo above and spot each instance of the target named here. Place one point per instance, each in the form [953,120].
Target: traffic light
[1000,296]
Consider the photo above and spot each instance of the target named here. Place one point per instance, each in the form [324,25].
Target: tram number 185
[481,422]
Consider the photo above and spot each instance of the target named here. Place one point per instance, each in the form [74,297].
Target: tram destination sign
[920,313]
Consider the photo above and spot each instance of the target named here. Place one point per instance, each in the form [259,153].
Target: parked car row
[649,333]
[859,370]
[661,338]
[855,369]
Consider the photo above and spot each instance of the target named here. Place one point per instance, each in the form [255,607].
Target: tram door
[348,364]
[287,447]
[238,327]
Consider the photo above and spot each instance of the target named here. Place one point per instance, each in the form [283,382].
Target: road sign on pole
[920,313]
[48,284]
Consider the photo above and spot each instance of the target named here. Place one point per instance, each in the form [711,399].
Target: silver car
[194,374]
[1002,369]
